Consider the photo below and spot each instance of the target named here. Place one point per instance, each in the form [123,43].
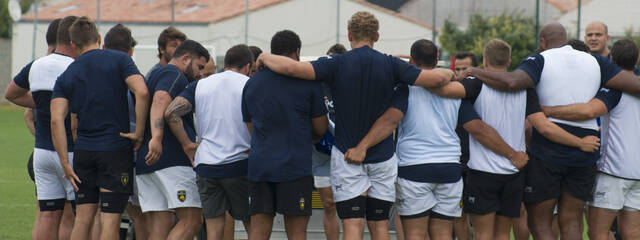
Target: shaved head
[552,35]
[597,38]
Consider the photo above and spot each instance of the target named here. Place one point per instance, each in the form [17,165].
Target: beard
[191,76]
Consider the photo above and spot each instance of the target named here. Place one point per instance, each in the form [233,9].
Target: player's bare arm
[161,100]
[59,110]
[556,134]
[74,126]
[19,96]
[319,126]
[436,77]
[505,81]
[141,93]
[28,120]
[179,107]
[625,81]
[491,139]
[453,89]
[381,129]
[578,111]
[287,66]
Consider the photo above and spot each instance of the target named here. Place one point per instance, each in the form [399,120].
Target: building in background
[221,24]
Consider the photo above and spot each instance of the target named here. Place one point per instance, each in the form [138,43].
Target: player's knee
[51,205]
[329,206]
[113,202]
[352,208]
[377,210]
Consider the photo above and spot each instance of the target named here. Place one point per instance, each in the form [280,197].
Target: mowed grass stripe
[17,192]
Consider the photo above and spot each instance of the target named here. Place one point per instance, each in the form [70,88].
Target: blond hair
[497,53]
[363,26]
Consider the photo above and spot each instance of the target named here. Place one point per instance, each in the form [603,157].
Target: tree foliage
[514,29]
[5,18]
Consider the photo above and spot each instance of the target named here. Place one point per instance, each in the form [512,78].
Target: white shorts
[321,182]
[616,193]
[49,175]
[351,180]
[168,189]
[417,197]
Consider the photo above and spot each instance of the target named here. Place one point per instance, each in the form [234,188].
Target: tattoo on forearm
[158,123]
[177,109]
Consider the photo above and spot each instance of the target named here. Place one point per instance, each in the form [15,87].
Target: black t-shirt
[280,109]
[362,82]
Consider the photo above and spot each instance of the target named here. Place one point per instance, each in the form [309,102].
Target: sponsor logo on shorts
[356,208]
[80,195]
[124,178]
[182,195]
[301,203]
[50,203]
[379,211]
[471,200]
[599,195]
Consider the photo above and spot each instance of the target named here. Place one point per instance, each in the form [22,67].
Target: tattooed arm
[179,107]
[161,100]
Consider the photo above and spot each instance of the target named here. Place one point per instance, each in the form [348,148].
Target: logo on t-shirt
[182,195]
[530,58]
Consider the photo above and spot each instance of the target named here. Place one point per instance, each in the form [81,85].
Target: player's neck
[163,62]
[427,67]
[496,69]
[65,50]
[89,48]
[360,44]
[605,52]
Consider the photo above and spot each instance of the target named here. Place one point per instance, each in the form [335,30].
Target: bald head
[597,38]
[552,35]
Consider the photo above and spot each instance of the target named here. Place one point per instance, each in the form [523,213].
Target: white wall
[145,34]
[315,23]
[617,14]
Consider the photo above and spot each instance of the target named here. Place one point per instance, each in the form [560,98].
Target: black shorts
[32,175]
[111,170]
[219,195]
[487,192]
[546,181]
[292,198]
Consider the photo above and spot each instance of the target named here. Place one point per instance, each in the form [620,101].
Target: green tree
[5,18]
[513,28]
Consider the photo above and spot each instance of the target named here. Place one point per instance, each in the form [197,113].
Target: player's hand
[70,175]
[589,143]
[519,159]
[155,151]
[190,150]
[355,155]
[260,60]
[464,74]
[135,140]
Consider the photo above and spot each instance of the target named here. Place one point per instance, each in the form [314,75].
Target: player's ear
[99,40]
[485,63]
[509,63]
[412,61]
[375,39]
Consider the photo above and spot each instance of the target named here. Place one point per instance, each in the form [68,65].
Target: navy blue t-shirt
[96,89]
[610,97]
[549,151]
[432,172]
[362,82]
[22,78]
[171,80]
[280,109]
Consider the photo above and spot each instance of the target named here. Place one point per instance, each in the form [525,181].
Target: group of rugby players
[253,140]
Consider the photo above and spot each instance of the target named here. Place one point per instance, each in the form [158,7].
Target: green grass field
[17,192]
